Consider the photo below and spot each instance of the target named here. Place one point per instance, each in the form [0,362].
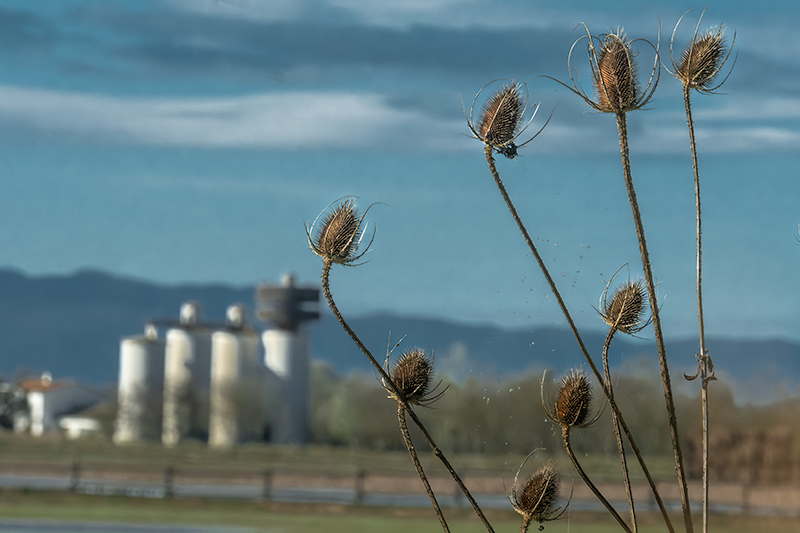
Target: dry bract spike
[340,234]
[500,118]
[615,74]
[535,499]
[412,375]
[625,311]
[701,60]
[573,400]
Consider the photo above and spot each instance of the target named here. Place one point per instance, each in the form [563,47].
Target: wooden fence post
[169,481]
[360,477]
[266,484]
[75,475]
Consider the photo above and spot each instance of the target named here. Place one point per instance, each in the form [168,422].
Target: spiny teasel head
[702,60]
[615,82]
[614,73]
[500,121]
[626,308]
[536,497]
[573,400]
[412,376]
[501,115]
[340,233]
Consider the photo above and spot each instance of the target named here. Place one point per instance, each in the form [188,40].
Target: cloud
[306,121]
[283,121]
[774,108]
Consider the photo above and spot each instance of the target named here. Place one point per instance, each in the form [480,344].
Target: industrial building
[224,383]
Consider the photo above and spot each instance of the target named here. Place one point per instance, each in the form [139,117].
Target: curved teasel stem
[594,489]
[662,354]
[568,317]
[617,433]
[326,269]
[401,420]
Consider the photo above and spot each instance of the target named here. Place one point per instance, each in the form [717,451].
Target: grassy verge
[298,518]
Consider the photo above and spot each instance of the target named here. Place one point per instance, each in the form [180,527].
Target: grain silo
[287,355]
[237,398]
[141,384]
[187,378]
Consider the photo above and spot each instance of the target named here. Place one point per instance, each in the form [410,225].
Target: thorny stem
[326,270]
[662,354]
[577,465]
[615,424]
[703,356]
[401,421]
[577,335]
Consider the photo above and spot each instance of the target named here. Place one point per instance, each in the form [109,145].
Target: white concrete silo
[141,385]
[287,356]
[237,406]
[187,378]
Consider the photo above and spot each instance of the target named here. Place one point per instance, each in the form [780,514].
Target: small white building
[76,427]
[49,400]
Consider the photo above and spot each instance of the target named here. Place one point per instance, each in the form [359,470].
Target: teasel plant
[572,409]
[337,241]
[623,313]
[498,126]
[535,498]
[412,376]
[698,69]
[617,90]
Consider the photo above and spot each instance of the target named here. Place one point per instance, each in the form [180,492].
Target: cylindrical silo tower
[286,355]
[187,378]
[237,405]
[141,382]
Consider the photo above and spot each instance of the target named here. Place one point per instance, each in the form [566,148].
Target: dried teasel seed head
[627,306]
[615,74]
[573,400]
[702,60]
[537,496]
[338,237]
[501,115]
[412,375]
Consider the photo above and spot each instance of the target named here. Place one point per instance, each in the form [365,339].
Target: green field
[55,455]
[299,518]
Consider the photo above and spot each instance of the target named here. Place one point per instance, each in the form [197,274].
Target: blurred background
[164,153]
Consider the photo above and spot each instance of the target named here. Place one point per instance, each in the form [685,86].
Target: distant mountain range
[72,325]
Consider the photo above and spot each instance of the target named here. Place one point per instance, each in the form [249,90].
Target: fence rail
[360,487]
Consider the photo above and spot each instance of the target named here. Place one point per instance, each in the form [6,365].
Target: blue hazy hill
[71,325]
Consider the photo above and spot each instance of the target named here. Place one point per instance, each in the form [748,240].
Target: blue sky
[188,141]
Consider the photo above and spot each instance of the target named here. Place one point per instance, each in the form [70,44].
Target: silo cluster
[210,382]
